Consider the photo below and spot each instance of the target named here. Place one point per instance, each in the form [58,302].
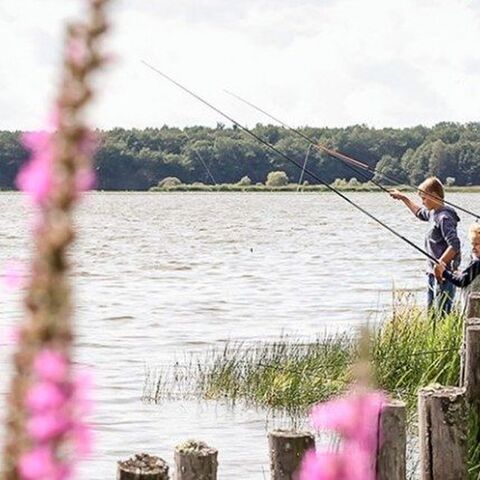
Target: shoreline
[227,188]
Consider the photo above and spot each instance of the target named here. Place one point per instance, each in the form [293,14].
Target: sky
[324,63]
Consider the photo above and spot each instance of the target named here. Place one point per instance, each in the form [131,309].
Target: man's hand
[438,270]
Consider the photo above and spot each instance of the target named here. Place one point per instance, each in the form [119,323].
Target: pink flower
[85,180]
[359,463]
[355,417]
[13,335]
[36,177]
[82,387]
[15,274]
[63,472]
[37,464]
[45,396]
[89,143]
[37,142]
[323,466]
[51,365]
[47,426]
[82,439]
[77,51]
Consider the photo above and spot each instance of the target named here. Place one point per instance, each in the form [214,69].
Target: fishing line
[197,153]
[349,161]
[294,162]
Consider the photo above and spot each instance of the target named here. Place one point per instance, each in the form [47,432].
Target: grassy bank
[409,350]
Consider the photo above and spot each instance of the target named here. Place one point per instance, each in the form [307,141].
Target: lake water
[160,276]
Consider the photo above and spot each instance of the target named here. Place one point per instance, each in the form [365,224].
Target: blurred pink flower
[77,52]
[47,426]
[38,464]
[85,180]
[36,177]
[15,274]
[82,436]
[63,472]
[82,388]
[13,335]
[359,463]
[51,365]
[355,417]
[322,466]
[45,396]
[89,143]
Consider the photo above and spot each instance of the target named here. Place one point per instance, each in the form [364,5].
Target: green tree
[390,171]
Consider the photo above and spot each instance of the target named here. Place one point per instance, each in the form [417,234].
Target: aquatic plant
[46,428]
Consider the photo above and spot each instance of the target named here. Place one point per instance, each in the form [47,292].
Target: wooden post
[286,452]
[472,361]
[195,461]
[392,451]
[472,313]
[442,423]
[473,305]
[143,466]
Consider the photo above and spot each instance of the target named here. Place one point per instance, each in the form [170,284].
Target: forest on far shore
[138,159]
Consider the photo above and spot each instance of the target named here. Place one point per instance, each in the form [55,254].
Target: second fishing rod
[294,162]
[349,162]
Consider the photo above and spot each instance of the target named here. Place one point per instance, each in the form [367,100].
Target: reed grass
[409,350]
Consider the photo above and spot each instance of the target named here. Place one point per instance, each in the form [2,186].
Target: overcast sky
[317,62]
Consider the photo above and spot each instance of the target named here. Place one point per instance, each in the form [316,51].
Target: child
[466,277]
[441,240]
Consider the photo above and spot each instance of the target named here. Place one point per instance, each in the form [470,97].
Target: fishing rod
[294,162]
[348,161]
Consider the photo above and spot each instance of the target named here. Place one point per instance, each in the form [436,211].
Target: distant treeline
[138,159]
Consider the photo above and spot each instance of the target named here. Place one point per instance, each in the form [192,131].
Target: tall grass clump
[413,349]
[409,349]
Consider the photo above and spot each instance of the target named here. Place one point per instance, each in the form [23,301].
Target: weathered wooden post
[471,374]
[142,466]
[195,460]
[392,449]
[442,422]
[472,312]
[286,452]
[473,305]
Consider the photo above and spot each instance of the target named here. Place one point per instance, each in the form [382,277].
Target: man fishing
[441,240]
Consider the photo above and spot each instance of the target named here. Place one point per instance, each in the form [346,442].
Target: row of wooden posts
[442,423]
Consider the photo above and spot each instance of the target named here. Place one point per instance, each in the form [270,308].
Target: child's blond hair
[474,231]
[433,186]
